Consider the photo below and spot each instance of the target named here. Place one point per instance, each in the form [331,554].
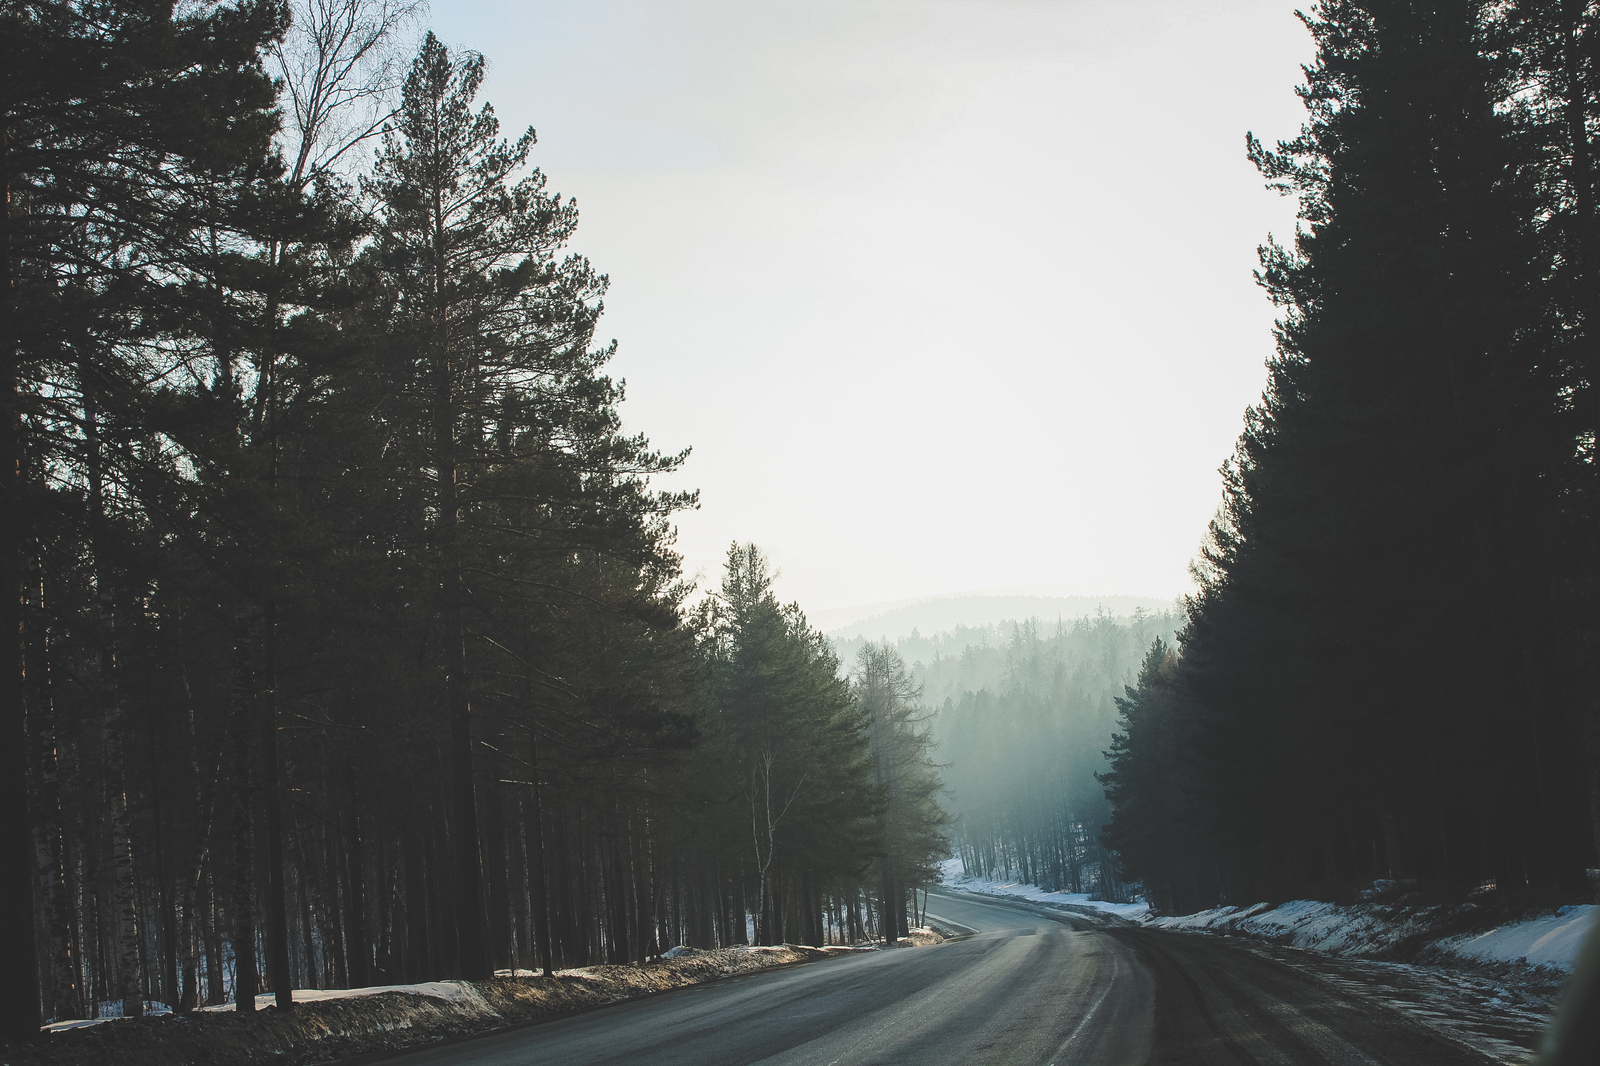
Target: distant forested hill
[1023,712]
[946,614]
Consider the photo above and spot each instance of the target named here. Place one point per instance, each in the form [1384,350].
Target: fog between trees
[1023,713]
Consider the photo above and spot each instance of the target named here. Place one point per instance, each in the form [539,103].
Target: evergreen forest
[1021,713]
[1388,671]
[345,639]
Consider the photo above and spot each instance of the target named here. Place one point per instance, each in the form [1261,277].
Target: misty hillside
[1022,713]
[945,614]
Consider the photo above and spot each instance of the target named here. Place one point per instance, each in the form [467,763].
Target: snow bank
[1365,929]
[1315,925]
[1553,940]
[956,878]
[1362,929]
[459,994]
[330,1025]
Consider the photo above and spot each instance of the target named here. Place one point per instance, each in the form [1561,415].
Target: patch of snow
[79,1023]
[1311,924]
[1553,940]
[1363,929]
[955,877]
[459,993]
[110,1011]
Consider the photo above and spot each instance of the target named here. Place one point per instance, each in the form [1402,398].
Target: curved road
[1029,987]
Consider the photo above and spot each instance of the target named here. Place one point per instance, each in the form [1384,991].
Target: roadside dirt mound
[329,1030]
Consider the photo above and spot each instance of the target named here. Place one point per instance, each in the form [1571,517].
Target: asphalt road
[1031,988]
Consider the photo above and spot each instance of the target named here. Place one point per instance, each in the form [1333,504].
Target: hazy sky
[944,296]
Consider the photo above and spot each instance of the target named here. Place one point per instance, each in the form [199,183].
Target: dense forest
[1389,668]
[1022,713]
[345,641]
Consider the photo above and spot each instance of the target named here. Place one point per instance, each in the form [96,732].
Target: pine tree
[1408,462]
[910,821]
[93,106]
[785,727]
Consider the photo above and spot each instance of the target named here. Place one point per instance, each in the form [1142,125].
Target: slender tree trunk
[418,966]
[19,977]
[216,991]
[338,973]
[277,929]
[166,905]
[112,694]
[534,829]
[356,951]
[494,848]
[446,933]
[64,996]
[474,958]
[308,919]
[245,978]
[125,907]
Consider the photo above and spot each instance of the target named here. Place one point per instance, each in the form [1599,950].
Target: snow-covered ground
[459,994]
[1361,929]
[956,877]
[1369,929]
[466,1000]
[1553,940]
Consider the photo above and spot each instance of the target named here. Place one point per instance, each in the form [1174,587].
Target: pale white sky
[945,296]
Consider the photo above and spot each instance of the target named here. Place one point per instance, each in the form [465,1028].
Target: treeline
[345,639]
[1022,723]
[1389,670]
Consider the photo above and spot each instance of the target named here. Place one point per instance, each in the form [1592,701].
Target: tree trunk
[494,848]
[125,910]
[534,830]
[277,930]
[355,926]
[64,998]
[418,966]
[245,978]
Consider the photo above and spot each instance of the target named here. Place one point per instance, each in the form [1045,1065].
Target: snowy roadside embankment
[1462,934]
[1398,931]
[1553,940]
[327,1025]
